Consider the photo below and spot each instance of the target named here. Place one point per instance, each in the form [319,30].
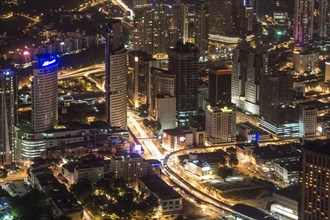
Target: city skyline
[143,109]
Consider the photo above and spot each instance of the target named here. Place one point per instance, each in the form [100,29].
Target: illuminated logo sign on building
[6,73]
[47,63]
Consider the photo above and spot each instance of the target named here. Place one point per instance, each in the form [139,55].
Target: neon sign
[47,63]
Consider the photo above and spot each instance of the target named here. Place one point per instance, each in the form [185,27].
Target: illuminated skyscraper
[183,63]
[248,67]
[324,18]
[116,75]
[201,26]
[303,18]
[8,119]
[44,94]
[158,26]
[315,180]
[220,123]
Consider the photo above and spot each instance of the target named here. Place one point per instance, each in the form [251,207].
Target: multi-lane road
[87,71]
[153,152]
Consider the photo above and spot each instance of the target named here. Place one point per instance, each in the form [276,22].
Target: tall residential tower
[8,118]
[201,26]
[116,75]
[44,94]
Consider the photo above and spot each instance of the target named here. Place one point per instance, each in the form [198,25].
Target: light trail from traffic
[151,147]
[124,7]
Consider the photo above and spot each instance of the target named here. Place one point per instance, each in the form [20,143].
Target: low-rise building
[91,169]
[169,200]
[252,133]
[245,152]
[91,172]
[175,139]
[199,168]
[63,201]
[16,188]
[65,140]
[199,136]
[285,204]
[130,167]
[265,158]
[288,171]
[203,165]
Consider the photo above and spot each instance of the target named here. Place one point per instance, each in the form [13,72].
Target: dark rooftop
[251,212]
[143,56]
[126,156]
[181,47]
[318,146]
[291,192]
[211,157]
[58,193]
[278,151]
[290,165]
[156,185]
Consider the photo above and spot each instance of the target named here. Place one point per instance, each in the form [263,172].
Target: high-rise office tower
[303,21]
[157,27]
[116,75]
[8,118]
[276,90]
[44,94]
[201,26]
[181,11]
[183,63]
[315,181]
[249,65]
[278,116]
[220,86]
[248,20]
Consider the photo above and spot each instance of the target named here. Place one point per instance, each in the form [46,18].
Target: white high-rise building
[307,121]
[305,61]
[327,71]
[44,94]
[220,124]
[165,108]
[116,75]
